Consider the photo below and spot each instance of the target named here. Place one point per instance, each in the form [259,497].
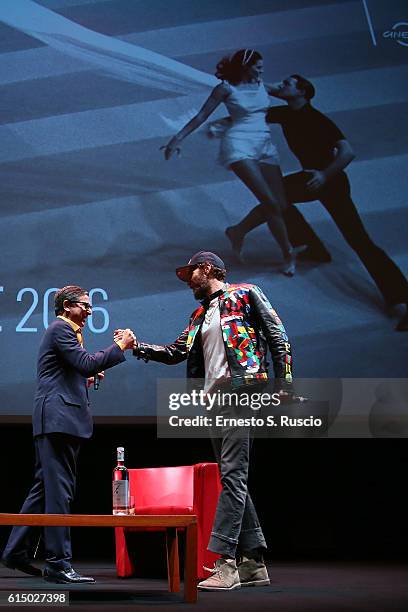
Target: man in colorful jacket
[225,344]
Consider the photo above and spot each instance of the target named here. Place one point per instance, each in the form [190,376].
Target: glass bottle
[120,484]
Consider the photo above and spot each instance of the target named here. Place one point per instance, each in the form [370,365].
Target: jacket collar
[74,326]
[206,302]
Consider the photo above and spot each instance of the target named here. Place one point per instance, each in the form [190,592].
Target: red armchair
[190,489]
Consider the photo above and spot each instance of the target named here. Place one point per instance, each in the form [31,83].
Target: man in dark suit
[324,153]
[61,420]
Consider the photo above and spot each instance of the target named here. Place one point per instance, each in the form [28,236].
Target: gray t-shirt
[215,358]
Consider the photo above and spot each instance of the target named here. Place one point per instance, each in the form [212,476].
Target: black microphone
[97,380]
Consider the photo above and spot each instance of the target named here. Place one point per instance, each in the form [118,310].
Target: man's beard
[200,293]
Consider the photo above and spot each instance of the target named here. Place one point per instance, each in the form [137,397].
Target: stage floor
[323,586]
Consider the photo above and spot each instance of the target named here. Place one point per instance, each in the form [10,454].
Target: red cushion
[162,488]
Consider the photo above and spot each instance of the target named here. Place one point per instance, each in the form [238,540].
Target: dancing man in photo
[324,153]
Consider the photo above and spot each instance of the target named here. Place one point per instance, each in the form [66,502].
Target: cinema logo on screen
[398,32]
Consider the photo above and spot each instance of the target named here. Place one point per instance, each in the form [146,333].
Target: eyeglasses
[85,305]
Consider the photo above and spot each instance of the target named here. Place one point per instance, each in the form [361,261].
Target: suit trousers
[236,526]
[336,198]
[56,456]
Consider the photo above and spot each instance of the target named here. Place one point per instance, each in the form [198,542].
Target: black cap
[201,257]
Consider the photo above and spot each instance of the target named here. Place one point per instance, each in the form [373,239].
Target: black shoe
[69,576]
[21,565]
[403,324]
[320,255]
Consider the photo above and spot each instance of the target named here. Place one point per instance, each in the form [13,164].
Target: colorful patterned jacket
[249,326]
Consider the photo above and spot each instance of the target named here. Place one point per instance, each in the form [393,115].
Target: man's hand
[90,381]
[125,338]
[317,180]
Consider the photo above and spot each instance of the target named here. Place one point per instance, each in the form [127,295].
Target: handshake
[125,338]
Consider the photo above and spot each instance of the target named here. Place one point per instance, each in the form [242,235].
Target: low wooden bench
[169,522]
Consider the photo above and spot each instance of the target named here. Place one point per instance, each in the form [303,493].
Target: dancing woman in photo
[246,146]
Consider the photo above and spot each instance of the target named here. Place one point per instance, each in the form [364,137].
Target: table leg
[190,564]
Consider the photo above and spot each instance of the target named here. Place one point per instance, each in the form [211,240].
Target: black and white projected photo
[90,92]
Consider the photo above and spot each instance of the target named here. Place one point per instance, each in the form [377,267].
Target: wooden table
[169,522]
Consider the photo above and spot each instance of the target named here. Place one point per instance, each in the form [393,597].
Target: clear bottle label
[120,493]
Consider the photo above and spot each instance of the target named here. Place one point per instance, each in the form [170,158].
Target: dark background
[337,498]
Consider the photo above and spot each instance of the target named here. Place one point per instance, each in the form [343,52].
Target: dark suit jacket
[61,403]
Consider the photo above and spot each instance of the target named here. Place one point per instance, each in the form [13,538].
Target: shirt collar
[75,326]
[206,302]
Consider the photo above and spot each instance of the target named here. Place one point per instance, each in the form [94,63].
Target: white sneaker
[224,577]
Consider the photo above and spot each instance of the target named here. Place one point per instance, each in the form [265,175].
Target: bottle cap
[120,453]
